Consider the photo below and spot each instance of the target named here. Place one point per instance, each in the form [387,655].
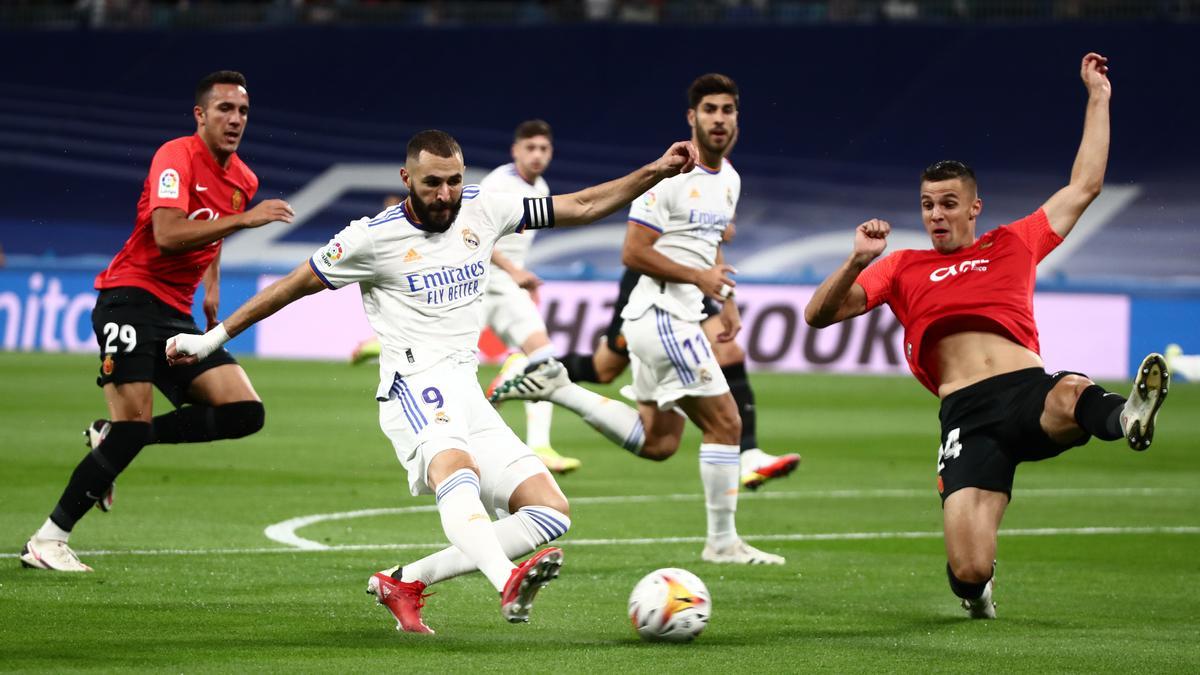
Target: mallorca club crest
[470,239]
[237,200]
[107,366]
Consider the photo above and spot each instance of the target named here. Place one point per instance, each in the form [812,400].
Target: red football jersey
[987,286]
[183,175]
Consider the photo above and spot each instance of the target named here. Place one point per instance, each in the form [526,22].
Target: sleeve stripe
[645,224]
[539,213]
[313,267]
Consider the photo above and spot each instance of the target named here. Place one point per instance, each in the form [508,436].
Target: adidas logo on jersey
[412,255]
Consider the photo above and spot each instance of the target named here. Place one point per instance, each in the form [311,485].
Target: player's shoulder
[177,149]
[501,175]
[242,172]
[727,166]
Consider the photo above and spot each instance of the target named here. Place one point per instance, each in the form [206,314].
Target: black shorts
[132,328]
[612,335]
[992,426]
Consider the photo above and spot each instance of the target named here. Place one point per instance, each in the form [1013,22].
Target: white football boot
[981,607]
[1149,391]
[535,384]
[740,553]
[51,554]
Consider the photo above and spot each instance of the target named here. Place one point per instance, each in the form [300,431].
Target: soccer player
[195,194]
[673,238]
[611,357]
[970,338]
[422,268]
[508,305]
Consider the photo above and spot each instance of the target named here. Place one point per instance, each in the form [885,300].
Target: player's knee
[559,503]
[970,571]
[605,375]
[236,420]
[659,449]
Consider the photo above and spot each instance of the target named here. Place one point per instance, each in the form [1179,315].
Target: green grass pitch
[1099,561]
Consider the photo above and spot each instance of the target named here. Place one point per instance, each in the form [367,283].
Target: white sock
[618,422]
[518,534]
[49,530]
[467,526]
[541,354]
[537,423]
[719,473]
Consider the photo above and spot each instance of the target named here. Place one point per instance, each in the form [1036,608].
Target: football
[669,605]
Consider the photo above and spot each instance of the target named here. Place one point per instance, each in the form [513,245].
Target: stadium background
[843,104]
[844,101]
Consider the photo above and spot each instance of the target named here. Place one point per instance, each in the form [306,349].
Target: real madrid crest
[237,200]
[441,417]
[729,196]
[705,376]
[470,239]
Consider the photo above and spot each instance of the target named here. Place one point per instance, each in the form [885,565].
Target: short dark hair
[435,142]
[205,87]
[949,169]
[709,84]
[531,128]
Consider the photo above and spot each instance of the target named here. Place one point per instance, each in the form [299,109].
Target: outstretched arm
[838,298]
[1087,175]
[592,204]
[186,349]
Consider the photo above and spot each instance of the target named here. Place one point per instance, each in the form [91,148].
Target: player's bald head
[433,141]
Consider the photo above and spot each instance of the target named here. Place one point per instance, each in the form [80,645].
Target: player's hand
[1094,73]
[211,305]
[269,211]
[870,239]
[680,158]
[185,349]
[526,279]
[716,282]
[731,322]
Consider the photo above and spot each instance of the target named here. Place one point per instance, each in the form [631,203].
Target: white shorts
[671,359]
[443,408]
[509,311]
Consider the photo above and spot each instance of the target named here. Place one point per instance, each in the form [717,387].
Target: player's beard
[425,215]
[711,146]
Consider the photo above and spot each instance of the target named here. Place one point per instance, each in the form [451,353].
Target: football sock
[1098,412]
[97,470]
[537,423]
[201,423]
[518,534]
[540,354]
[618,422]
[719,473]
[49,530]
[580,367]
[743,395]
[468,528]
[964,589]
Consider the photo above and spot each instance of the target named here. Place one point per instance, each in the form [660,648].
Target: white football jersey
[422,291]
[691,211]
[506,179]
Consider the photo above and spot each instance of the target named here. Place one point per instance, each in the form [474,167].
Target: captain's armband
[539,213]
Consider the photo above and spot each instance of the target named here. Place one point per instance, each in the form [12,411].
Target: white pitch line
[285,532]
[648,541]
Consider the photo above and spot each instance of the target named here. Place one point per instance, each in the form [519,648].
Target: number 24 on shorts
[950,449]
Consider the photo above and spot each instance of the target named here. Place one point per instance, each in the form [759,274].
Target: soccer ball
[669,605]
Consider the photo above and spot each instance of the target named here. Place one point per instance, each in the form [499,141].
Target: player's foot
[981,607]
[404,599]
[1149,391]
[535,384]
[740,553]
[514,365]
[554,461]
[51,554]
[527,579]
[93,436]
[759,467]
[365,351]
